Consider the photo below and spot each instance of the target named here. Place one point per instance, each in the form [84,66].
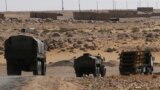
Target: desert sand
[67,38]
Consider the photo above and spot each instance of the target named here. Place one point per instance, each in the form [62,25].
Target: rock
[1,48]
[89,39]
[68,34]
[83,49]
[79,42]
[29,30]
[90,45]
[56,35]
[75,45]
[48,20]
[1,52]
[122,36]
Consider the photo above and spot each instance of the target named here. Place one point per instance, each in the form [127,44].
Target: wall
[90,16]
[44,15]
[145,9]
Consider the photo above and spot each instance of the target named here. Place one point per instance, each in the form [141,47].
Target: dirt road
[61,76]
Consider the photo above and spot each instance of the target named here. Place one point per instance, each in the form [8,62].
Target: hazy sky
[30,5]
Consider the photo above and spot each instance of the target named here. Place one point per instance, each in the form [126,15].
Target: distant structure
[122,13]
[145,9]
[45,15]
[90,16]
[106,16]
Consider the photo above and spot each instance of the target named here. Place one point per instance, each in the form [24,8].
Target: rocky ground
[87,35]
[90,83]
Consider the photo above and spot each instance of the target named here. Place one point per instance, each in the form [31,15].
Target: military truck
[89,64]
[136,62]
[25,53]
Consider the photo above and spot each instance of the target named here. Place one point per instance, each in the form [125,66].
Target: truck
[25,53]
[89,64]
[136,62]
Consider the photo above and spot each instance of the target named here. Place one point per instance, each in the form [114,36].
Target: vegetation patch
[135,29]
[156,30]
[104,31]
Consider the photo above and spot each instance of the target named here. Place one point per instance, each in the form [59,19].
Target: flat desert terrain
[67,38]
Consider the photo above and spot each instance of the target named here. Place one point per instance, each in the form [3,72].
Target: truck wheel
[139,70]
[43,68]
[38,70]
[13,70]
[149,70]
[79,73]
[97,72]
[103,71]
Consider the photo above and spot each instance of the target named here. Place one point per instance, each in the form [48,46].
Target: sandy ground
[63,78]
[55,56]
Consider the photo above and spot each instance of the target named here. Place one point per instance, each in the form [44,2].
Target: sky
[35,5]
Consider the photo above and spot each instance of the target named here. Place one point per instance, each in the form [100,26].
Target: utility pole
[147,3]
[126,4]
[113,2]
[79,4]
[140,3]
[6,5]
[115,6]
[62,6]
[97,4]
[157,4]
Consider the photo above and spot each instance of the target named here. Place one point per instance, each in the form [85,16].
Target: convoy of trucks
[27,53]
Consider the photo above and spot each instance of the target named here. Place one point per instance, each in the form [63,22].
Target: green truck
[89,64]
[25,53]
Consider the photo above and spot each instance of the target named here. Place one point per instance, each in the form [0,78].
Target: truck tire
[103,71]
[13,70]
[38,70]
[43,68]
[149,70]
[139,70]
[79,73]
[97,72]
